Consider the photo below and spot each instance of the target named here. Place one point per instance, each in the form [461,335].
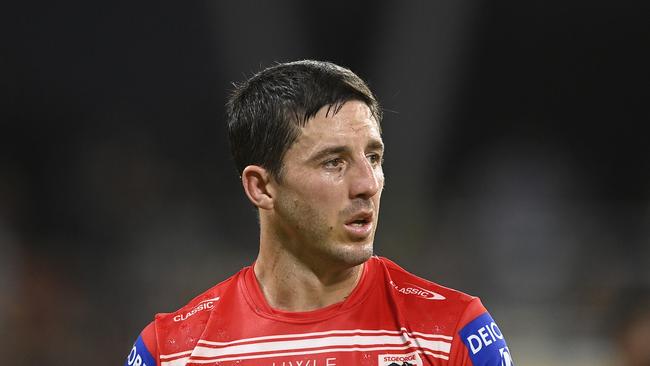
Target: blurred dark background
[517,160]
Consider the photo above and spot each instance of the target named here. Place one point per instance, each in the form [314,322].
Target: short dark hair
[266,112]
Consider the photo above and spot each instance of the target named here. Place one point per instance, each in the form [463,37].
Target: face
[327,204]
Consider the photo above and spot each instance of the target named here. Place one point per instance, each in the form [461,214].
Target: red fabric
[391,316]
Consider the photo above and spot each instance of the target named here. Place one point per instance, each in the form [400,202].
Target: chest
[370,337]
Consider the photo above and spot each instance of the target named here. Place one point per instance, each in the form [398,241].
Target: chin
[354,254]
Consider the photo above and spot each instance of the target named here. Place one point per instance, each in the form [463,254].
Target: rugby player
[306,139]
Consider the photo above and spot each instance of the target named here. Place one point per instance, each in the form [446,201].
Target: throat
[296,289]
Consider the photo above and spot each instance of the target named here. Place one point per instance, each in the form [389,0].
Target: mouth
[359,226]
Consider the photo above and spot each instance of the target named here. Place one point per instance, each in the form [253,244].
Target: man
[306,139]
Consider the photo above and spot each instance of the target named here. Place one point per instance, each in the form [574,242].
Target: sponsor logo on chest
[405,359]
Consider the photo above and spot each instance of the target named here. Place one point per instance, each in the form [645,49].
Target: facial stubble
[314,240]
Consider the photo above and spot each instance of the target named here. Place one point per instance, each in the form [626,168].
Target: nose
[366,180]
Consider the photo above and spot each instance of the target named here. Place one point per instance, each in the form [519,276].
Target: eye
[375,159]
[333,163]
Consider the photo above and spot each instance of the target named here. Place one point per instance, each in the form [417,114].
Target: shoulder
[428,302]
[425,304]
[416,288]
[188,322]
[199,304]
[461,318]
[185,325]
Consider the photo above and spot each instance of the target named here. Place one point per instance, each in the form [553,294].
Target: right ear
[255,180]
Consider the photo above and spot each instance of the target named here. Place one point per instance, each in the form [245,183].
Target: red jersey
[391,318]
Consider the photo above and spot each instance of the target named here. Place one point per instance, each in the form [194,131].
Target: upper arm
[145,350]
[478,339]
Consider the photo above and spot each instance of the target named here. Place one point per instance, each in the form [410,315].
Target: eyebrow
[336,150]
[376,145]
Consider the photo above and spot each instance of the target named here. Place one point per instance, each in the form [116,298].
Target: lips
[359,225]
[363,217]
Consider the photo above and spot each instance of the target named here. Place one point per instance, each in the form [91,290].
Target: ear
[255,180]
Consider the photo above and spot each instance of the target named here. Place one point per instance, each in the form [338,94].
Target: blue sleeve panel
[140,355]
[485,343]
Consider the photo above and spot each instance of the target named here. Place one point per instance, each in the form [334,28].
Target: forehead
[353,123]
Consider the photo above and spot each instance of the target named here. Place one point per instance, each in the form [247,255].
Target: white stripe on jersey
[310,343]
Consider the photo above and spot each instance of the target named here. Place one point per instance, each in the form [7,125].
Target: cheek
[324,196]
[321,187]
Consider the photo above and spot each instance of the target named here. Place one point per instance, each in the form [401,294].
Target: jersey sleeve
[478,341]
[145,349]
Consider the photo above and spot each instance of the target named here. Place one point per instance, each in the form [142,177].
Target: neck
[292,284]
